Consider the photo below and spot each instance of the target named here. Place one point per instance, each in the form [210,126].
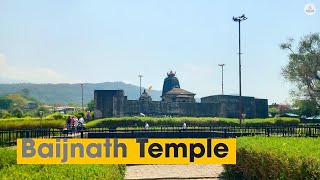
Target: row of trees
[16,105]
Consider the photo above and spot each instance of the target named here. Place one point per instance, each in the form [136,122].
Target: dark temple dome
[170,82]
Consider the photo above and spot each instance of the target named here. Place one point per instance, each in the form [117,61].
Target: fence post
[225,133]
[9,137]
[81,134]
[309,131]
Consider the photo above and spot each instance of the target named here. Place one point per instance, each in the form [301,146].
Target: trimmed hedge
[190,121]
[55,120]
[276,158]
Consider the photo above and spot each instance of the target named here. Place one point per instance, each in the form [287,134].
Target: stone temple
[176,101]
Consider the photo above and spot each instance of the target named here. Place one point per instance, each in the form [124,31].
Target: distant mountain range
[71,93]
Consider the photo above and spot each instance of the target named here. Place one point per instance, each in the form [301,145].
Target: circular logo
[309,9]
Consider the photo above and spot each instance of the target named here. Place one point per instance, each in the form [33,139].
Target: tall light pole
[82,95]
[41,114]
[222,75]
[140,76]
[239,19]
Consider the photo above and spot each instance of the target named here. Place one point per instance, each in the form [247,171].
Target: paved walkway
[211,171]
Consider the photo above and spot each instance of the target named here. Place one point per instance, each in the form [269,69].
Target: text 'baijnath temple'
[176,101]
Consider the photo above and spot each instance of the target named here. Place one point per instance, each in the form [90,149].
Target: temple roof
[179,91]
[170,82]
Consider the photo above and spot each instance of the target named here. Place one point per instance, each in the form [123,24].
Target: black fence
[8,138]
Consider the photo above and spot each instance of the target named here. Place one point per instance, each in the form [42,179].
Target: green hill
[66,93]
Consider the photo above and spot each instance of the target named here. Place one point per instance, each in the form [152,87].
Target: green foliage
[10,170]
[17,99]
[190,121]
[276,158]
[17,112]
[306,107]
[5,103]
[56,116]
[5,114]
[303,67]
[273,111]
[56,120]
[7,158]
[90,106]
[31,124]
[80,113]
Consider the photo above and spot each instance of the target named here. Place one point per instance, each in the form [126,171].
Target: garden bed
[276,158]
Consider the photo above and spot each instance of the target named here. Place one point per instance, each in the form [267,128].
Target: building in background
[176,102]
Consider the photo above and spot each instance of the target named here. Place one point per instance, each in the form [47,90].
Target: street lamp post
[140,76]
[222,75]
[82,96]
[41,130]
[41,113]
[239,19]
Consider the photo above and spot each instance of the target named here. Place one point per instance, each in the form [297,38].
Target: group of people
[74,122]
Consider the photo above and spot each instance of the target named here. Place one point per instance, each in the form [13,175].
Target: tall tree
[17,99]
[5,103]
[303,68]
[90,105]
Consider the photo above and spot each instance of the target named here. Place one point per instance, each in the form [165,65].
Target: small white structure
[184,126]
[146,126]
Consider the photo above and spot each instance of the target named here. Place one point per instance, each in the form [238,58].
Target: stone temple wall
[113,103]
[158,108]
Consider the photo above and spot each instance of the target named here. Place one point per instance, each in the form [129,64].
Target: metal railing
[9,137]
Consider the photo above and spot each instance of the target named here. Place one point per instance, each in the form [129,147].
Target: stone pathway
[211,171]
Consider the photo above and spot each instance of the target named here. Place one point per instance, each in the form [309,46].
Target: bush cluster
[56,120]
[276,158]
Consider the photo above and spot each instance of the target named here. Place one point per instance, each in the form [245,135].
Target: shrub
[17,112]
[7,157]
[4,114]
[56,116]
[276,158]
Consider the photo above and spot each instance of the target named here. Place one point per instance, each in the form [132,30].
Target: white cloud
[10,73]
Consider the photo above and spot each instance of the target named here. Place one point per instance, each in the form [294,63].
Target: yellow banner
[126,151]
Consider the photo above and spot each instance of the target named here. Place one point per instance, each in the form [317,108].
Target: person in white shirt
[184,126]
[81,120]
[76,123]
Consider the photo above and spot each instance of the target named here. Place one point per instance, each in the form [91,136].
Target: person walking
[81,120]
[68,122]
[72,121]
[76,123]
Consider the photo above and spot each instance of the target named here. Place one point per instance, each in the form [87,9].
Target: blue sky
[74,41]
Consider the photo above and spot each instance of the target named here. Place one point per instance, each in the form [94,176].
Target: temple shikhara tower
[176,101]
[171,91]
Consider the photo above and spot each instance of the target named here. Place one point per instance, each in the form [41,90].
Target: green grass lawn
[10,170]
[276,158]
